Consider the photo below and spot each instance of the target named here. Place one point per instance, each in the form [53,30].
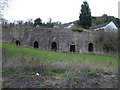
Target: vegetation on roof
[78,29]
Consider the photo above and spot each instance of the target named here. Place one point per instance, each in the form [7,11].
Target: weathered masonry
[63,40]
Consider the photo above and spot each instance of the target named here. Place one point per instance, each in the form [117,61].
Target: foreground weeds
[31,68]
[36,74]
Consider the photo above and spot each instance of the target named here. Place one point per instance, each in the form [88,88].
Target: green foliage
[77,29]
[96,22]
[58,71]
[85,16]
[104,19]
[104,15]
[29,23]
[37,21]
[93,73]
[34,56]
[108,41]
[115,86]
[31,72]
[49,24]
[42,85]
[74,84]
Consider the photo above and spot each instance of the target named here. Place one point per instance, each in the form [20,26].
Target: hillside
[13,51]
[105,19]
[100,20]
[39,69]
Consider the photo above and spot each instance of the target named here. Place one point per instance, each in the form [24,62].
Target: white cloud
[58,10]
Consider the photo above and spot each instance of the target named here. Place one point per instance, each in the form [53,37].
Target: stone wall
[64,39]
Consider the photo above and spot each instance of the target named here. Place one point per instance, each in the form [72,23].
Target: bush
[108,41]
[77,29]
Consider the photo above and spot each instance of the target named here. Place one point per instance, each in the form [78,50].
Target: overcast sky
[59,10]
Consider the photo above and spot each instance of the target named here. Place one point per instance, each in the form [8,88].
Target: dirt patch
[68,79]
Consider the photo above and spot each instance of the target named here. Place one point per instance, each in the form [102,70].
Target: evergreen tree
[85,16]
[37,21]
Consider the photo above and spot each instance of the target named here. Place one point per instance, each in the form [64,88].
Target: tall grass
[25,55]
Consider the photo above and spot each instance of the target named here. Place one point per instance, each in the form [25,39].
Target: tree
[105,15]
[105,18]
[49,23]
[37,21]
[85,16]
[107,41]
[3,5]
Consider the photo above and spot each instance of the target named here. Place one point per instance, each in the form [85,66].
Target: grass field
[13,51]
[29,60]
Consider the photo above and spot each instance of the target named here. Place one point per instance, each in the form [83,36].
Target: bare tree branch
[3,4]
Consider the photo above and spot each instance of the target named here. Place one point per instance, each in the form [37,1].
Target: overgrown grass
[93,73]
[54,68]
[78,29]
[43,85]
[36,57]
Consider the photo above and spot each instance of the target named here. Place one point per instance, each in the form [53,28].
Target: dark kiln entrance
[17,42]
[54,46]
[72,48]
[90,47]
[36,44]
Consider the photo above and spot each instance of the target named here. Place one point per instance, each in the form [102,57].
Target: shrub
[77,29]
[108,41]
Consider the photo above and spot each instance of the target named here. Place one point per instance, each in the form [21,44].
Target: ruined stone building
[52,39]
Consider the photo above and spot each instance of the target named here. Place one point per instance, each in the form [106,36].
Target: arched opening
[17,42]
[90,47]
[54,46]
[72,47]
[36,44]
